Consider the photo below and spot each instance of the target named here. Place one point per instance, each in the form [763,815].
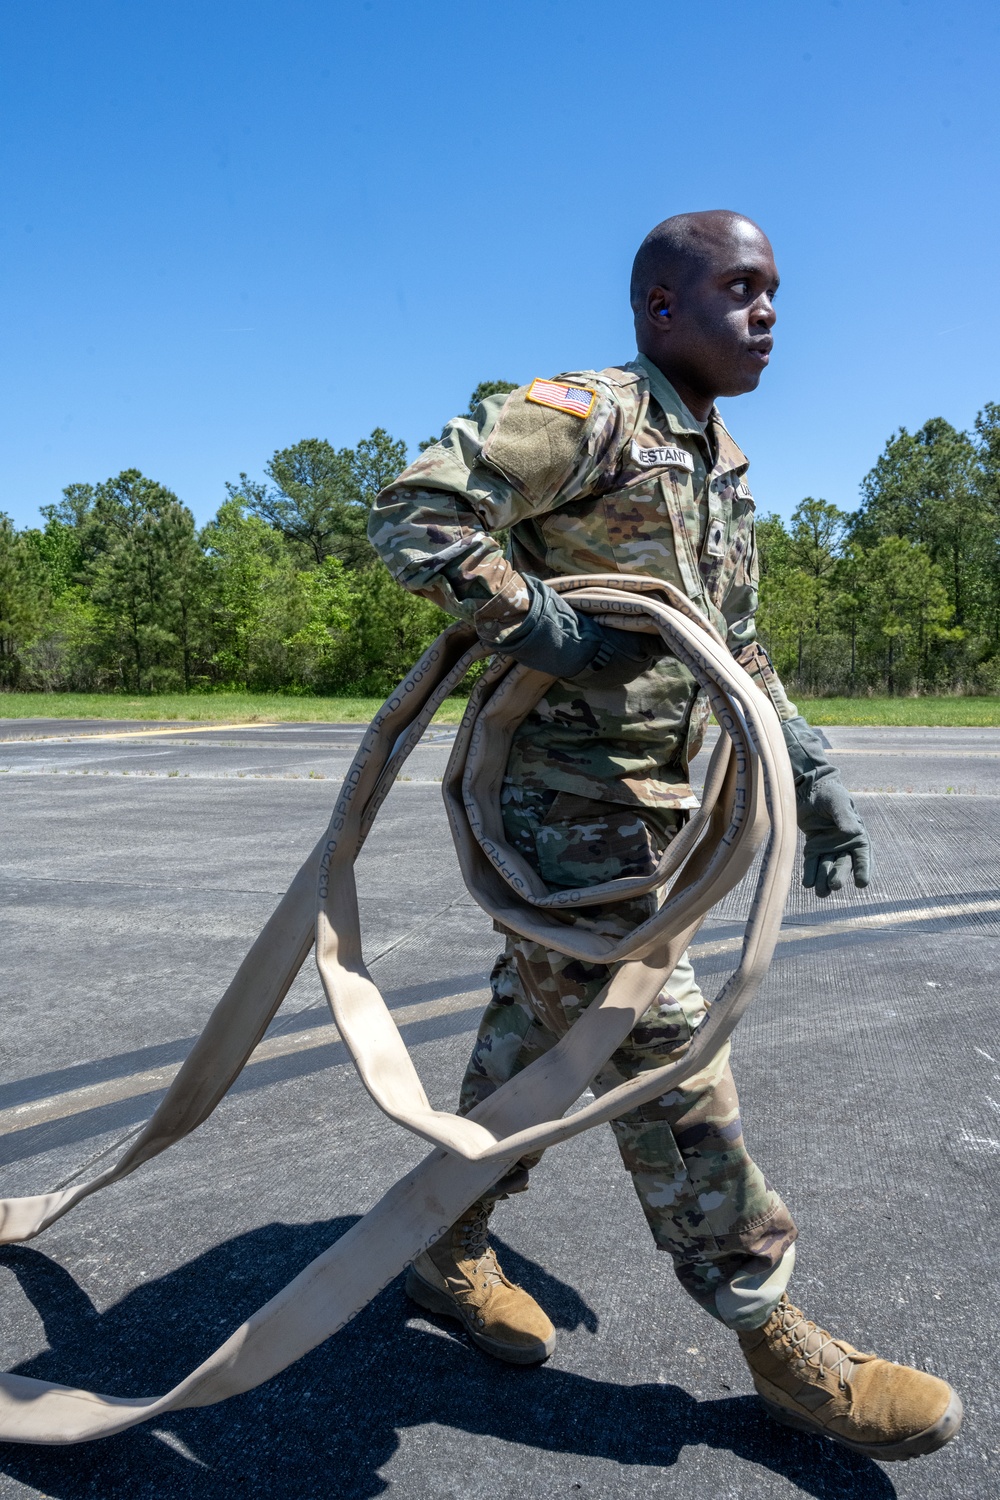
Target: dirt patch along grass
[205,708]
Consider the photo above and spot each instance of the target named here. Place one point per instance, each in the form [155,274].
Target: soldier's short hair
[677,249]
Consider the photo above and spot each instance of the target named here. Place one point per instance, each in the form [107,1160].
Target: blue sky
[229,226]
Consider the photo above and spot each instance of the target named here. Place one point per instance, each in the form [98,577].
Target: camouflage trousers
[707,1203]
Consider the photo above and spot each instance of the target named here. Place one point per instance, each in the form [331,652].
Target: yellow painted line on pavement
[134,734]
[130,1085]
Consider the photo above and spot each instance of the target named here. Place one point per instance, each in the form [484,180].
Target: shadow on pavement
[326,1426]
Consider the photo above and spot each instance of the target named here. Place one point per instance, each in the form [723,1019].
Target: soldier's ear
[660,306]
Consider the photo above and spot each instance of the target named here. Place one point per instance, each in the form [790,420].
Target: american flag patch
[575,399]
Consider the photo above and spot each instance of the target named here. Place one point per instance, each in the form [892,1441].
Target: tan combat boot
[810,1380]
[459,1277]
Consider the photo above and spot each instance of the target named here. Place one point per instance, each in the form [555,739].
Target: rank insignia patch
[715,542]
[575,399]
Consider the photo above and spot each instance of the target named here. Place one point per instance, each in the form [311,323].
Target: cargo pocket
[661,1031]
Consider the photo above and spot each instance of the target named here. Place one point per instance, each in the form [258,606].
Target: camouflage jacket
[596,472]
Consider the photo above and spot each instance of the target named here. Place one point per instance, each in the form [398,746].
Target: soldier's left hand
[837,841]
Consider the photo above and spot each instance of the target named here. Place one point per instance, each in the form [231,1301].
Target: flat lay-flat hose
[748,809]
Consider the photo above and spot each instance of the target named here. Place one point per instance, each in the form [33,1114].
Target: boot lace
[474,1240]
[808,1342]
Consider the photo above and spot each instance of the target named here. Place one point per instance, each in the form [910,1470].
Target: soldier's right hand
[556,638]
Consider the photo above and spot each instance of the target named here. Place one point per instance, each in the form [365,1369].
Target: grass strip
[205,708]
[256,708]
[948,713]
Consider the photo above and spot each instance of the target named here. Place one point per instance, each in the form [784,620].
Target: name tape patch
[575,399]
[662,458]
[743,491]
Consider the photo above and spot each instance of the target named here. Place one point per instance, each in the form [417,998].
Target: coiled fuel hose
[748,810]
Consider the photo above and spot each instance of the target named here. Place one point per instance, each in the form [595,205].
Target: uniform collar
[682,423]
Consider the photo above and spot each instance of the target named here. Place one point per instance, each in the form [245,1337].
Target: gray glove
[556,638]
[836,838]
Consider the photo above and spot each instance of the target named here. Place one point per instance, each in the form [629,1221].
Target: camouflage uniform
[597,781]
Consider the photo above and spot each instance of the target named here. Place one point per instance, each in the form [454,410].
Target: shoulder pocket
[537,447]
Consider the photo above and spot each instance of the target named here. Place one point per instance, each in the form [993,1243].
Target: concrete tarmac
[139,862]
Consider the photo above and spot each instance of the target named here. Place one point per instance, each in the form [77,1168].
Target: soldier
[630,470]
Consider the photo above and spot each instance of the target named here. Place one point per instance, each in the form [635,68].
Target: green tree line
[280,592]
[902,595]
[118,590]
